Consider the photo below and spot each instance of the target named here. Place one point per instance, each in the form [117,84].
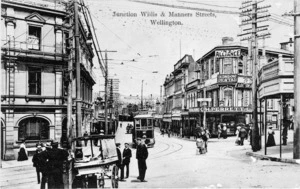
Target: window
[217,65]
[34,81]
[33,128]
[240,68]
[228,97]
[228,68]
[34,37]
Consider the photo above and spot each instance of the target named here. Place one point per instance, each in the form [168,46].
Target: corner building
[226,79]
[37,44]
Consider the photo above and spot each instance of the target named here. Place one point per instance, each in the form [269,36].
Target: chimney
[227,40]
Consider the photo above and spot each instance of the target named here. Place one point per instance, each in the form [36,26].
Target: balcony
[192,84]
[28,50]
[183,63]
[277,78]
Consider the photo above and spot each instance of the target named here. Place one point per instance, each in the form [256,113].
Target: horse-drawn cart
[95,161]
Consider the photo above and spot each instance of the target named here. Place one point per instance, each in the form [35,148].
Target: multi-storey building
[37,43]
[175,97]
[226,79]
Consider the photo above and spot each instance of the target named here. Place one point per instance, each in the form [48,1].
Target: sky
[148,52]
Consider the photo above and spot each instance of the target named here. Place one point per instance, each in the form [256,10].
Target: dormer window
[34,38]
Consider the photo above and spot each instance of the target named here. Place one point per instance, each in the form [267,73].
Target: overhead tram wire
[115,34]
[187,8]
[98,50]
[213,5]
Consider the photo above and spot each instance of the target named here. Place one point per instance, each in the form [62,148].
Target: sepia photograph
[150,94]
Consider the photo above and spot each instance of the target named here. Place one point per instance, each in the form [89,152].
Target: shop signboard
[226,109]
[228,53]
[227,78]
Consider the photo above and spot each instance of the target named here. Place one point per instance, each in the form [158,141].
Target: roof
[244,46]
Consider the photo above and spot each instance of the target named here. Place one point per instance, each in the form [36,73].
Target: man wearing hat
[119,162]
[126,159]
[141,156]
[56,159]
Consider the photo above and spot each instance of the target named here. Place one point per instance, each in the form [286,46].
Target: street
[173,163]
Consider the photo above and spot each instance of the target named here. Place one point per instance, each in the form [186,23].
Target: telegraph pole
[142,95]
[70,79]
[78,75]
[252,11]
[296,152]
[106,91]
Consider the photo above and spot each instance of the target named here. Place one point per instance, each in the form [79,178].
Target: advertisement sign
[228,53]
[227,78]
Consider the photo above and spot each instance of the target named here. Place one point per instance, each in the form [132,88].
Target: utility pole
[106,90]
[78,75]
[70,79]
[251,11]
[296,152]
[142,95]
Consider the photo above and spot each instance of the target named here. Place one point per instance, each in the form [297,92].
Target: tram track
[165,150]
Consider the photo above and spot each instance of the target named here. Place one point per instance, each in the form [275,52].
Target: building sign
[228,53]
[227,78]
[243,85]
[226,109]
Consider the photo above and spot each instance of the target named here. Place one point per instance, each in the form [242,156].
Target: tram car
[143,127]
[95,162]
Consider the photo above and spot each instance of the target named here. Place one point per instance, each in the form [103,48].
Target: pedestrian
[219,131]
[56,158]
[169,132]
[126,159]
[286,124]
[237,133]
[204,137]
[242,135]
[141,156]
[43,158]
[35,162]
[180,132]
[22,155]
[119,162]
[224,131]
[85,135]
[162,132]
[271,140]
[200,145]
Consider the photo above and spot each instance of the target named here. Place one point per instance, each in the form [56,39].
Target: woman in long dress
[22,156]
[271,140]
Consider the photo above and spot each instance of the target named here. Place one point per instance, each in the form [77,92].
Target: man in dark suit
[126,159]
[56,157]
[119,162]
[141,156]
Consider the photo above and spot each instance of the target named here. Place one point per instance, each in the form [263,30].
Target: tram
[143,126]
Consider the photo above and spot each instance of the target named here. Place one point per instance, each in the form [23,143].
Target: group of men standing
[141,156]
[48,161]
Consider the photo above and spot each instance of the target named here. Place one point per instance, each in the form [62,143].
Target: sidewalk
[15,163]
[273,154]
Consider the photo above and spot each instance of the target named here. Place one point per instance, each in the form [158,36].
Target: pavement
[273,153]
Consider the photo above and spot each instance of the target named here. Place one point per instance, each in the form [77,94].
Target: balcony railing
[24,48]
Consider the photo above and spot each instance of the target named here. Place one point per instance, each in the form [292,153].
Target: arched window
[240,68]
[33,128]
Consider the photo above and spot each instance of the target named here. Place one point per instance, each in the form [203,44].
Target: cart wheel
[114,177]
